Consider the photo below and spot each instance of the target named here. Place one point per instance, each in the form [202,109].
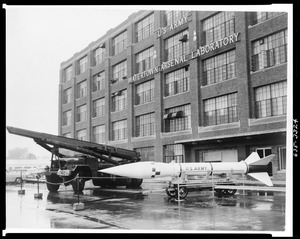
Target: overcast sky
[38,39]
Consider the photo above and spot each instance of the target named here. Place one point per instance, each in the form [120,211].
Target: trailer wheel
[183,192]
[171,192]
[225,192]
[231,191]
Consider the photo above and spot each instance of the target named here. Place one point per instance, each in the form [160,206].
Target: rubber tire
[52,187]
[134,183]
[183,192]
[171,192]
[18,180]
[52,179]
[226,192]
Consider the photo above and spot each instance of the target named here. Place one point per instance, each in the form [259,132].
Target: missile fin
[253,157]
[262,177]
[264,161]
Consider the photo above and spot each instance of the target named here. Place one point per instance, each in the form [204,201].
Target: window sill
[282,171]
[142,138]
[118,111]
[202,129]
[217,83]
[259,23]
[144,104]
[170,96]
[172,134]
[267,68]
[121,141]
[267,120]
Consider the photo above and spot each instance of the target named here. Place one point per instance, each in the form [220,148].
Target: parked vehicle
[14,177]
[93,157]
[28,167]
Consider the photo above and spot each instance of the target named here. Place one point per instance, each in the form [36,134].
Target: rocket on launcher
[253,166]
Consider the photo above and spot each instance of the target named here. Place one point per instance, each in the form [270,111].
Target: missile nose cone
[144,170]
[132,170]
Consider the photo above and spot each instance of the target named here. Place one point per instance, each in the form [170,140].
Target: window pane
[218,26]
[179,120]
[220,110]
[269,51]
[270,100]
[145,28]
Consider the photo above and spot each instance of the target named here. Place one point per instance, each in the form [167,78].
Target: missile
[253,166]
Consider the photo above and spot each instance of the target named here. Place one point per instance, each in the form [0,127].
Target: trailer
[75,170]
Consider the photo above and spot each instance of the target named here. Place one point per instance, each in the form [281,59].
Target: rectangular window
[219,68]
[145,28]
[271,100]
[225,155]
[67,96]
[67,118]
[67,74]
[98,107]
[177,45]
[81,134]
[218,27]
[99,134]
[82,89]
[98,55]
[282,158]
[119,43]
[177,81]
[220,110]
[269,51]
[173,152]
[83,65]
[177,118]
[99,81]
[144,92]
[147,153]
[119,130]
[119,72]
[264,152]
[172,17]
[145,125]
[263,16]
[81,113]
[119,101]
[144,60]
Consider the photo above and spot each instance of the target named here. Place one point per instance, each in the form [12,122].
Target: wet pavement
[145,209]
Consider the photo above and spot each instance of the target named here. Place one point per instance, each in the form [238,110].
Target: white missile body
[253,166]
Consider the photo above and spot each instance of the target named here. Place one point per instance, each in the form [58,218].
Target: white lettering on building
[178,23]
[199,52]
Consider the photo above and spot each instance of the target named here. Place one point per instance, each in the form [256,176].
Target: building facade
[189,86]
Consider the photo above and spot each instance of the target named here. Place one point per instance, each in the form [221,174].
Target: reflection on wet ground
[130,209]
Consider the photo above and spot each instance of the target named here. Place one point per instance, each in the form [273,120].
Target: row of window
[270,100]
[170,152]
[267,52]
[214,28]
[175,82]
[176,152]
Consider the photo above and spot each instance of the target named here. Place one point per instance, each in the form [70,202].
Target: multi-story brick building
[189,86]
